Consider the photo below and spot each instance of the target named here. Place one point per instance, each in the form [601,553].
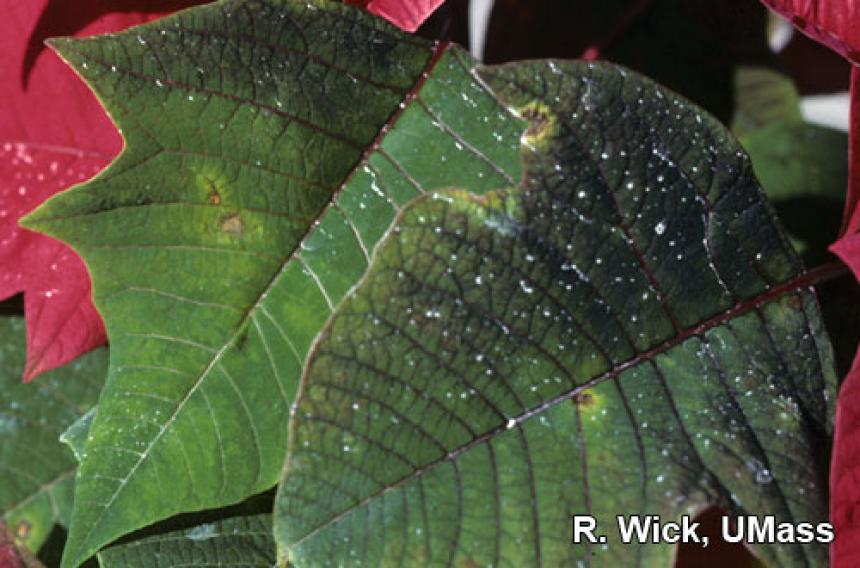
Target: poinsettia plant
[368,301]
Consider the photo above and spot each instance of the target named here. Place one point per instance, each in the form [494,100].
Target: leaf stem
[824,273]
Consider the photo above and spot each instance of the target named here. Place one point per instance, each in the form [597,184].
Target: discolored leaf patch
[633,332]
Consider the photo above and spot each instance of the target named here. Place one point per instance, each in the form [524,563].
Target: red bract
[53,133]
[845,473]
[848,246]
[408,15]
[9,557]
[836,23]
[845,468]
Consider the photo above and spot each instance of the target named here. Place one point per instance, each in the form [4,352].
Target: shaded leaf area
[763,97]
[627,333]
[36,471]
[804,173]
[236,541]
[269,144]
[691,46]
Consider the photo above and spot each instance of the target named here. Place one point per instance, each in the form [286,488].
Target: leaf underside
[628,332]
[269,144]
[236,541]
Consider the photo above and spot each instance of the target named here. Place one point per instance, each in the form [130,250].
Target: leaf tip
[41,220]
[69,49]
[32,221]
[59,45]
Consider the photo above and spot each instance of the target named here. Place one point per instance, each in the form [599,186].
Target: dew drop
[763,476]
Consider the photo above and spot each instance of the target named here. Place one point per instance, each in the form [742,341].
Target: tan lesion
[216,191]
[542,124]
[232,224]
[586,399]
[22,531]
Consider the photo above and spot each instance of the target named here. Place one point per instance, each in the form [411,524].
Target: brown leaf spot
[584,399]
[232,224]
[538,121]
[450,343]
[23,530]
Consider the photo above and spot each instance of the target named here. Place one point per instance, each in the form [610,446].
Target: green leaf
[237,541]
[36,471]
[627,333]
[763,97]
[269,144]
[804,172]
